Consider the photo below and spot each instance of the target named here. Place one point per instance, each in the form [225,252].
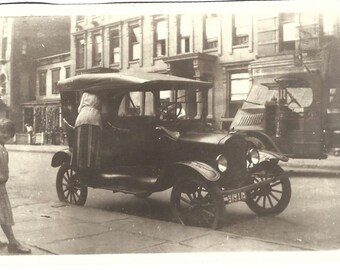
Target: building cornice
[57,58]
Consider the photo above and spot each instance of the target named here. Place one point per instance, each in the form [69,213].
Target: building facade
[191,46]
[44,112]
[22,40]
[231,50]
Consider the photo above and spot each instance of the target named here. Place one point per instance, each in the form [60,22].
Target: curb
[332,163]
[35,148]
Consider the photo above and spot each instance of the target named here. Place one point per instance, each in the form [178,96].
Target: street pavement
[56,228]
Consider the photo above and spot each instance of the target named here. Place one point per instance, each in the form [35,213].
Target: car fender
[63,156]
[266,155]
[173,172]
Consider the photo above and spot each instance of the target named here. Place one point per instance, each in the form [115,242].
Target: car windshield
[296,97]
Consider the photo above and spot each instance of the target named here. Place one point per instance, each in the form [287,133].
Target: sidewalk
[331,163]
[35,148]
[56,228]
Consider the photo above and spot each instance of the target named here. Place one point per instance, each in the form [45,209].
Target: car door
[129,137]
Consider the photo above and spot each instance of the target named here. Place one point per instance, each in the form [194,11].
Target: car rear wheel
[69,188]
[197,202]
[271,199]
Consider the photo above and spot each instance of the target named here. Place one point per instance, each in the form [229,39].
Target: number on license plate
[235,197]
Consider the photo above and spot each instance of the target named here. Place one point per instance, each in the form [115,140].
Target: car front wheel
[197,202]
[270,199]
[69,188]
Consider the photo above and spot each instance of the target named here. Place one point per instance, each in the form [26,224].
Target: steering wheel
[172,110]
[293,99]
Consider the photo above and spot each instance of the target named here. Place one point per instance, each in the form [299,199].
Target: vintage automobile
[156,136]
[296,114]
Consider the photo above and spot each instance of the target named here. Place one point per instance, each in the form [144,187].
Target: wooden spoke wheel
[197,202]
[270,199]
[69,187]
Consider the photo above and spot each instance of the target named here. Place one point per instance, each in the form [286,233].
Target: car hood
[206,138]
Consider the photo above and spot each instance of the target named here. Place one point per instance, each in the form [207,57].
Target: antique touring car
[297,114]
[156,136]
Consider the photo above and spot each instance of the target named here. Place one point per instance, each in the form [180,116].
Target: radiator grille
[251,119]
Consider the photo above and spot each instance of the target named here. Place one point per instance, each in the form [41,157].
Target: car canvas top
[136,81]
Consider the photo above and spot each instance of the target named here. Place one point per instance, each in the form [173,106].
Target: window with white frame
[134,42]
[239,89]
[329,24]
[239,86]
[241,28]
[211,28]
[184,34]
[80,52]
[97,49]
[160,38]
[55,79]
[115,52]
[288,32]
[42,82]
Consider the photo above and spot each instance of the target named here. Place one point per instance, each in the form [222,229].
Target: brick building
[44,112]
[22,40]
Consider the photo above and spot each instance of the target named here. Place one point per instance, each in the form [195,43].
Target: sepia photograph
[169,132]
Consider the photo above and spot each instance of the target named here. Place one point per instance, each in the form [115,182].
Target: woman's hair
[7,126]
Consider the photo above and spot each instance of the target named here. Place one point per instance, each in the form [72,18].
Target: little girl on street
[7,131]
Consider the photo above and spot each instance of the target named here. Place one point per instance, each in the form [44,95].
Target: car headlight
[222,163]
[253,156]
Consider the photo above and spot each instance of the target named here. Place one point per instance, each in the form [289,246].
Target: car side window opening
[137,104]
[170,104]
[182,104]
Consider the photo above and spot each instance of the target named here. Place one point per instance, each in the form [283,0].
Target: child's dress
[6,216]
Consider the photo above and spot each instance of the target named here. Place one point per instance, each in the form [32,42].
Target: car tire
[69,187]
[187,197]
[271,199]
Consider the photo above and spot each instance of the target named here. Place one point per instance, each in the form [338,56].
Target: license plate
[235,197]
